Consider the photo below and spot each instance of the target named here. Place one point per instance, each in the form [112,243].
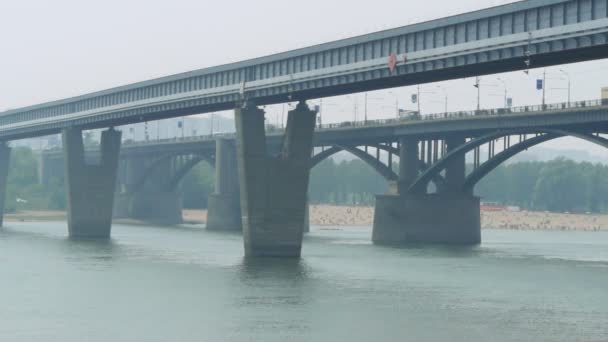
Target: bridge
[273,184]
[149,172]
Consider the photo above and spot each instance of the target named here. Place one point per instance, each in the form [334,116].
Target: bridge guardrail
[271,129]
[553,107]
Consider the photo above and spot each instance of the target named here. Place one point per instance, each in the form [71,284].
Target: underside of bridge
[147,192]
[274,187]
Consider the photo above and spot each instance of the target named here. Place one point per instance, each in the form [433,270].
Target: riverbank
[330,215]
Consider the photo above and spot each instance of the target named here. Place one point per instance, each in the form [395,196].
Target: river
[187,284]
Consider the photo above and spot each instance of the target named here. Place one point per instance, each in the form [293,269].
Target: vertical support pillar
[455,171]
[5,155]
[306,228]
[224,208]
[274,189]
[443,218]
[90,188]
[408,163]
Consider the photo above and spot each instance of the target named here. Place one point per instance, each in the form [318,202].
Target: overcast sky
[61,48]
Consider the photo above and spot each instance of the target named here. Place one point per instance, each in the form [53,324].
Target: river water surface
[187,284]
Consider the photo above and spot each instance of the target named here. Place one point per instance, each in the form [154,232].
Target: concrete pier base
[452,219]
[224,213]
[274,188]
[306,228]
[90,187]
[5,155]
[158,207]
[224,205]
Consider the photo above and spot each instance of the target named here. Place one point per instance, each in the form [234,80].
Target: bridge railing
[195,138]
[275,130]
[553,107]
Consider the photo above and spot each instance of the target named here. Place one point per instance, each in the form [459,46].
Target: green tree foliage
[197,185]
[346,182]
[22,180]
[558,185]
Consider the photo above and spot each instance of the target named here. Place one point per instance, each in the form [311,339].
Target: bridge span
[273,182]
[149,172]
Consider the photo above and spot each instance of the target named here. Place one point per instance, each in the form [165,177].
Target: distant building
[605,93]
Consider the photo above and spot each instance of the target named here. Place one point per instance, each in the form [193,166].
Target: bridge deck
[497,39]
[530,119]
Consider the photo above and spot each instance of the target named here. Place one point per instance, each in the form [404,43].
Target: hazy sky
[56,49]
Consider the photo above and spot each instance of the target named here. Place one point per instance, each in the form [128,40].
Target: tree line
[560,185]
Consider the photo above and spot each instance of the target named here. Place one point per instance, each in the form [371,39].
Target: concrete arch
[179,174]
[421,182]
[377,165]
[423,179]
[474,177]
[159,161]
[319,157]
[383,169]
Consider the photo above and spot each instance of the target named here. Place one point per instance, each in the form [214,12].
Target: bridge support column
[273,189]
[408,163]
[455,171]
[450,217]
[90,187]
[306,228]
[224,207]
[5,155]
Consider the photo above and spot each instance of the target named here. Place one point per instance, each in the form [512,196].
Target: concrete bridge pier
[449,217]
[90,186]
[224,207]
[5,156]
[274,188]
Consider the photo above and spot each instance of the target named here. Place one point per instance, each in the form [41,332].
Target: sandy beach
[330,215]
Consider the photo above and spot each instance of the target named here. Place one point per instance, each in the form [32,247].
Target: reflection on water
[273,269]
[184,284]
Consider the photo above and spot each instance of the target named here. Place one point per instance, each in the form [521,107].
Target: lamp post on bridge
[445,94]
[567,75]
[478,86]
[366,102]
[396,103]
[416,97]
[505,86]
[353,98]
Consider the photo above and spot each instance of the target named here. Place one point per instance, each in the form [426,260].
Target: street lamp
[567,75]
[418,92]
[505,85]
[478,86]
[396,103]
[418,99]
[211,129]
[367,99]
[445,94]
[355,106]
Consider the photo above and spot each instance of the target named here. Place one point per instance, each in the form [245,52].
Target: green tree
[197,185]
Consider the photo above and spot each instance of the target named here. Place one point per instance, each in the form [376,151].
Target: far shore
[332,215]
